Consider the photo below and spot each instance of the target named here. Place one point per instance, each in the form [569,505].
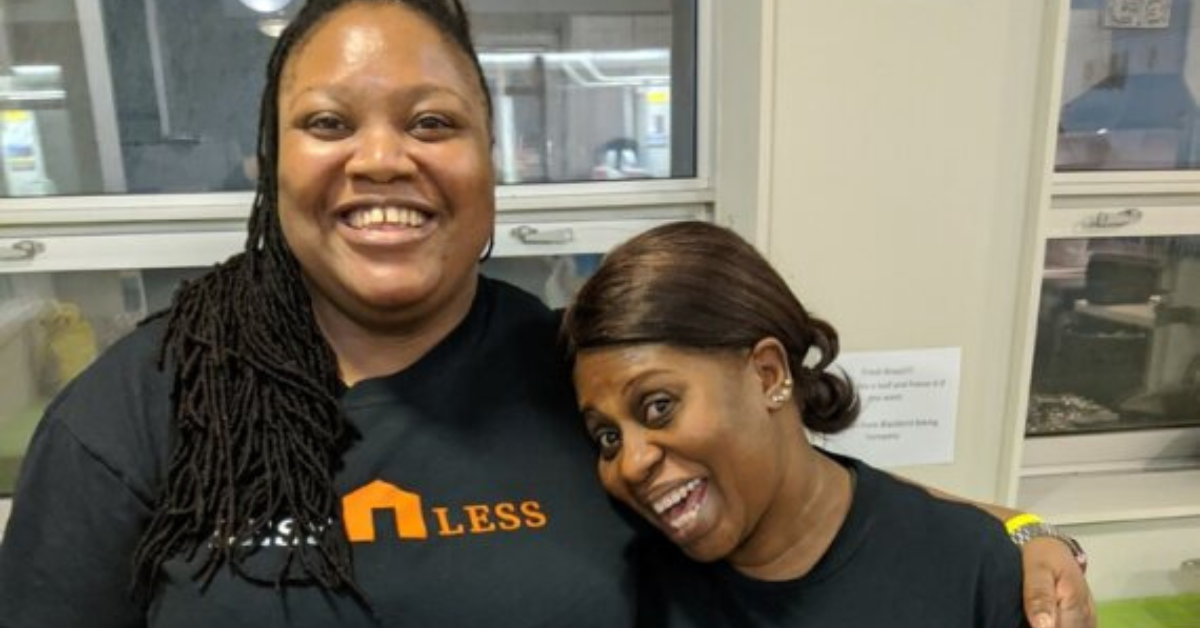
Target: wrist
[1026,527]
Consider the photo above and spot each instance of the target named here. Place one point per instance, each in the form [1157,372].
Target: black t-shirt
[471,497]
[902,559]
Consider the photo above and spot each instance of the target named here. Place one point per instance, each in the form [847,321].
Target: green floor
[1181,611]
[14,437]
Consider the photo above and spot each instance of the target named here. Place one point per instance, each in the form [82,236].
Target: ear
[769,359]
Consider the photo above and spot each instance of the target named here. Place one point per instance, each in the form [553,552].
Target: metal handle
[531,235]
[1112,220]
[23,250]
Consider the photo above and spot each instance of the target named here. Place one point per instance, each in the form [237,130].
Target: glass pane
[554,278]
[161,96]
[1130,86]
[51,327]
[1118,336]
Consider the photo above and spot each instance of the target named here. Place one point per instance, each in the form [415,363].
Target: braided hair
[255,384]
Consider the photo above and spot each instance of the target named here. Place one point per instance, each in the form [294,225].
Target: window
[1118,338]
[161,96]
[1130,87]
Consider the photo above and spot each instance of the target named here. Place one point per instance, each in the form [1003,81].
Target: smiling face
[688,440]
[385,174]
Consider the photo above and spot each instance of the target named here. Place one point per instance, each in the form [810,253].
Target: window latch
[531,235]
[1112,220]
[22,250]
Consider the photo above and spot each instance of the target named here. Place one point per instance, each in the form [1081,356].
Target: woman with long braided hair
[345,424]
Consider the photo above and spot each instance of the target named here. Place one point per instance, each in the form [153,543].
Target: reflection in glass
[161,96]
[555,278]
[1130,87]
[634,145]
[1118,337]
[52,325]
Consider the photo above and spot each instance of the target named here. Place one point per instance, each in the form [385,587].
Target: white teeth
[665,502]
[685,519]
[375,216]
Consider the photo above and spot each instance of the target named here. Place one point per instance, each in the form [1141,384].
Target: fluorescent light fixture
[272,26]
[266,6]
[36,70]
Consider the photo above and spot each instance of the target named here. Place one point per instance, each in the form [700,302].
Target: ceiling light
[266,6]
[272,26]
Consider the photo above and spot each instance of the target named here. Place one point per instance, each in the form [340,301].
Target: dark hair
[255,384]
[694,285]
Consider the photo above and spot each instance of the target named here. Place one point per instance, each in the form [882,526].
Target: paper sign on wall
[909,407]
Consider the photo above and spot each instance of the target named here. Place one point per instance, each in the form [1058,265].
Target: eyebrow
[346,93]
[633,382]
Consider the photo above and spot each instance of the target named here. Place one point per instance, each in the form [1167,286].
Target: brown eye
[657,409]
[327,125]
[431,127]
[608,440]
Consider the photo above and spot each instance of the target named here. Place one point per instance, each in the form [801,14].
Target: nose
[382,154]
[640,459]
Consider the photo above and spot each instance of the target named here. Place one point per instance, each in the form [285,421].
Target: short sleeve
[66,557]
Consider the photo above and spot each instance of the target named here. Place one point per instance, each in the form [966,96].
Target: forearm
[1002,513]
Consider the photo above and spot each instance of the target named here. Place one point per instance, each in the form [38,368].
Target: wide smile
[384,222]
[678,509]
[386,217]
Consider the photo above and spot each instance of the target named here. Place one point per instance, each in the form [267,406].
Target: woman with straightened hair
[345,424]
[700,376]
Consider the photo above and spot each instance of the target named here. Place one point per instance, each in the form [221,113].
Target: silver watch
[1040,529]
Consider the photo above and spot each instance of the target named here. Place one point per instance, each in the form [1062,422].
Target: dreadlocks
[255,384]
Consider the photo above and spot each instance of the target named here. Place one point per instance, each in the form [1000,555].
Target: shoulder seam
[57,422]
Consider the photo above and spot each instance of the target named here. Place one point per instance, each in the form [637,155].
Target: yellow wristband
[1015,523]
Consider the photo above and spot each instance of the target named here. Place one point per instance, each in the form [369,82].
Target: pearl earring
[784,393]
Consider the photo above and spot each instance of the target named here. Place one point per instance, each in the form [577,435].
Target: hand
[1056,593]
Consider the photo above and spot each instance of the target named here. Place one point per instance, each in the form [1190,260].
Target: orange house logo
[358,512]
[360,506]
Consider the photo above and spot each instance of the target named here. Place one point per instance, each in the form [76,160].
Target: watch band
[1025,527]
